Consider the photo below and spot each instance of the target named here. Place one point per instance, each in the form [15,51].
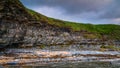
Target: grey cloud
[91,10]
[113,12]
[71,6]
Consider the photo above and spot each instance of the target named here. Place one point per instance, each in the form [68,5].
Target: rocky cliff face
[19,28]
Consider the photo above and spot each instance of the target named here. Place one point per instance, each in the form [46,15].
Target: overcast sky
[85,11]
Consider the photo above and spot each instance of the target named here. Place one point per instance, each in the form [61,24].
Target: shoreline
[28,56]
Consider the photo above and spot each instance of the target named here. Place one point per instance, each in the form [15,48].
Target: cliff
[21,27]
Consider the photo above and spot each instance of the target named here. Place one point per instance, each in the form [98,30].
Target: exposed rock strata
[19,27]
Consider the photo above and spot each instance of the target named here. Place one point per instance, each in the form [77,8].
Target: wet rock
[53,54]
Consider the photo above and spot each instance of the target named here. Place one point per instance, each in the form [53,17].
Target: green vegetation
[41,46]
[112,47]
[109,29]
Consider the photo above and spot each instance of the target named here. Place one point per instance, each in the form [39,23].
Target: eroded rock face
[19,28]
[15,33]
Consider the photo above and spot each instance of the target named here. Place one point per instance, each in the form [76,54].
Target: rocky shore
[23,56]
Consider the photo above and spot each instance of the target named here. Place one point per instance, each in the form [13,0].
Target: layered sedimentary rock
[20,28]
